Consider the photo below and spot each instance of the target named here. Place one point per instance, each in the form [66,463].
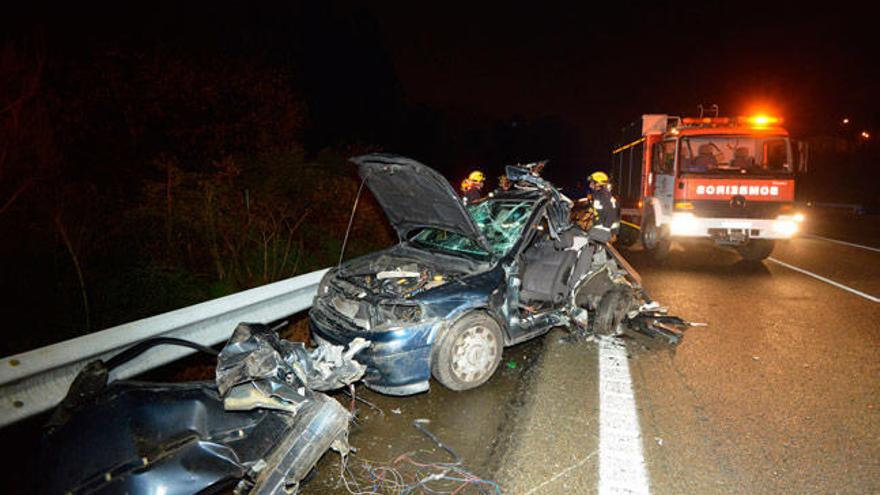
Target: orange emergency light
[762,120]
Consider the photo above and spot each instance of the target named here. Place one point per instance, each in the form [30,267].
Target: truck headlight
[683,224]
[785,226]
[799,217]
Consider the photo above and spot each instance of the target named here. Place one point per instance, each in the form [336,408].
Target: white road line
[851,244]
[621,463]
[827,280]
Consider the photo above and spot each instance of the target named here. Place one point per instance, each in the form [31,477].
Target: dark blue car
[463,282]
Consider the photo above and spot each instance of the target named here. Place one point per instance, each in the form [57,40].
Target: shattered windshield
[736,154]
[449,241]
[501,222]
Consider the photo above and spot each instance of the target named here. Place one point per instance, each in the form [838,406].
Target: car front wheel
[468,353]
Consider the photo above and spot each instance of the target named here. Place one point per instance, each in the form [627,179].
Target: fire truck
[728,180]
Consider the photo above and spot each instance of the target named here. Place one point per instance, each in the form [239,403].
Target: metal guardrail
[35,381]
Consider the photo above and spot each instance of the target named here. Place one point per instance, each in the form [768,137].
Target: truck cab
[727,180]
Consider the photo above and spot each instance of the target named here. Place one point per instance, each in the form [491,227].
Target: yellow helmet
[600,178]
[476,176]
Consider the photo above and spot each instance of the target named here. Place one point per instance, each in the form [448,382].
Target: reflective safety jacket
[607,210]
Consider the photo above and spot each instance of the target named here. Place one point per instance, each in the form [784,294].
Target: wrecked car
[464,282]
[258,429]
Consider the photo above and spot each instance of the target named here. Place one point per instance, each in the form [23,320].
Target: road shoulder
[556,434]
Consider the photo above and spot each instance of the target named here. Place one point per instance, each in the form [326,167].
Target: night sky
[464,84]
[588,65]
[599,68]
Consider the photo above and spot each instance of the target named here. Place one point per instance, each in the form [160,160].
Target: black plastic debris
[656,323]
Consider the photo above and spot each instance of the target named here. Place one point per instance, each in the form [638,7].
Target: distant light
[845,121]
[866,135]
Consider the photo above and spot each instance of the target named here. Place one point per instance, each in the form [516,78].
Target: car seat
[551,266]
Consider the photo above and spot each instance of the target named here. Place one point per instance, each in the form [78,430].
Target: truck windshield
[735,154]
[500,221]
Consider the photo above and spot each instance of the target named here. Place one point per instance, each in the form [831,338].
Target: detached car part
[131,437]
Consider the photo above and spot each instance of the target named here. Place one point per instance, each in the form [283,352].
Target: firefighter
[504,183]
[472,187]
[606,220]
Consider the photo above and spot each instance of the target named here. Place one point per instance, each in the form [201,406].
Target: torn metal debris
[259,429]
[258,369]
[656,323]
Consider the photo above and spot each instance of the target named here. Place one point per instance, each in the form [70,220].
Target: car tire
[467,353]
[611,313]
[756,249]
[654,238]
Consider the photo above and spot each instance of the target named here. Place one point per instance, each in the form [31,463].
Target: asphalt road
[780,393]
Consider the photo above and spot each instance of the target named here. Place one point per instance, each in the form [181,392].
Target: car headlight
[398,313]
[785,226]
[683,224]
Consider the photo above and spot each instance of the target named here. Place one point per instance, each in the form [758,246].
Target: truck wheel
[756,249]
[611,313]
[468,353]
[654,238]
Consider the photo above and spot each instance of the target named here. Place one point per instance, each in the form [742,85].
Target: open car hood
[415,196]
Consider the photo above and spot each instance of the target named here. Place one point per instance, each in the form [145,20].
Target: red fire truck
[730,180]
